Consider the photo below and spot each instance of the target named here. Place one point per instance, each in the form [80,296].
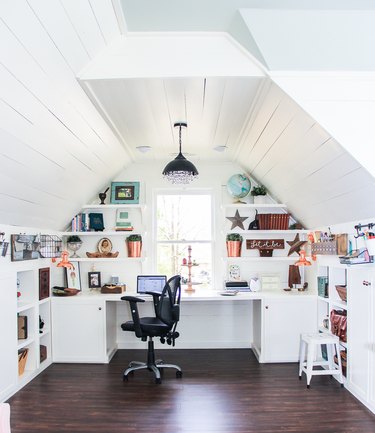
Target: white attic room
[280,92]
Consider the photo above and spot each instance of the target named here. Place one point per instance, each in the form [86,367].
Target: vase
[234,248]
[134,248]
[74,246]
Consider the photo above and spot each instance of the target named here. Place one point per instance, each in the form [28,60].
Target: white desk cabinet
[361,334]
[79,328]
[284,319]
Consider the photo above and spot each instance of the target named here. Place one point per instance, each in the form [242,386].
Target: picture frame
[125,193]
[104,246]
[73,276]
[94,280]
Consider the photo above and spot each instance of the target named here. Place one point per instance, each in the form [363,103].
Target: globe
[239,186]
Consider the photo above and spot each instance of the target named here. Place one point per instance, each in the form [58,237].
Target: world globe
[239,186]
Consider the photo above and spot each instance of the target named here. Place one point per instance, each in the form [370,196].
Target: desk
[86,327]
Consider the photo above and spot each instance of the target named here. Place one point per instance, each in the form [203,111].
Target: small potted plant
[234,244]
[259,193]
[74,243]
[134,245]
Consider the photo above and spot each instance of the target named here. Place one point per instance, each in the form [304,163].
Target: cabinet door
[359,331]
[284,319]
[8,339]
[78,331]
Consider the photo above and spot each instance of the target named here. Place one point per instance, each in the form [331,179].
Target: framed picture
[94,280]
[125,192]
[104,246]
[73,276]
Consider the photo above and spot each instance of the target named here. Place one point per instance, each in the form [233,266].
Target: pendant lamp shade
[180,170]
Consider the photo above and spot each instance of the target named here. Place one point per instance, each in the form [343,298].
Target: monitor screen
[151,283]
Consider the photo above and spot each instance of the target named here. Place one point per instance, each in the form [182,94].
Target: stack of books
[242,286]
[122,222]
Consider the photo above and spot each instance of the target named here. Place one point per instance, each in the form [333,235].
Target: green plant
[259,190]
[234,237]
[134,238]
[74,238]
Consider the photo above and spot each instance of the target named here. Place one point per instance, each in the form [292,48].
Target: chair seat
[151,326]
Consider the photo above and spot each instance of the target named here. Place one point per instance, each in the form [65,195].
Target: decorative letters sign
[265,244]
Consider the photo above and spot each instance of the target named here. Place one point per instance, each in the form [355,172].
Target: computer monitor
[150,283]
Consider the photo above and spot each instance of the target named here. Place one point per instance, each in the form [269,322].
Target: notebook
[150,283]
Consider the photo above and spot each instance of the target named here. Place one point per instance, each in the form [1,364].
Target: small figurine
[103,196]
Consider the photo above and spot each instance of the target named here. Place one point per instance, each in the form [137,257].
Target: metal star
[295,245]
[237,220]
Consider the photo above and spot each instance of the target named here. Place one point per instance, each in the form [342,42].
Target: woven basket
[341,290]
[22,358]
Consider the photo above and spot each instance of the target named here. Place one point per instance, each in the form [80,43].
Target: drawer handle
[100,308]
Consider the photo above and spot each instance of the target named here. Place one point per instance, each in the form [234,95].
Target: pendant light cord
[179,138]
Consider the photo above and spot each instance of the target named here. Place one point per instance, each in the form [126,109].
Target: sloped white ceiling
[56,150]
[60,147]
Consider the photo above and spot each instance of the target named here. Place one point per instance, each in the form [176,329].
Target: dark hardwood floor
[223,391]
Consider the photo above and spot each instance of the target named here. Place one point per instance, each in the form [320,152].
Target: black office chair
[163,325]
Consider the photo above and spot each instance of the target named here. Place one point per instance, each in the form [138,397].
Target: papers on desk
[229,293]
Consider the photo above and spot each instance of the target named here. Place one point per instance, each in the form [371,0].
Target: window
[184,220]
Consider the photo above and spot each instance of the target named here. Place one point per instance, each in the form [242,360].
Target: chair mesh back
[170,300]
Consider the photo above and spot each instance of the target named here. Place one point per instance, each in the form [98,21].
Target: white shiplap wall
[55,149]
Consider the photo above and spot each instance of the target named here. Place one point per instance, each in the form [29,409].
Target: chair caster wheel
[308,386]
[125,378]
[158,381]
[300,377]
[178,374]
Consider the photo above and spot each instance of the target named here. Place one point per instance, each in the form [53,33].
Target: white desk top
[198,295]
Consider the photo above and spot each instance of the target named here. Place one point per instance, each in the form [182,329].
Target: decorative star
[237,220]
[295,245]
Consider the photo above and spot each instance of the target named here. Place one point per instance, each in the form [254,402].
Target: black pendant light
[180,170]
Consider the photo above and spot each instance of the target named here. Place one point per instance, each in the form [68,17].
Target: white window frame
[185,191]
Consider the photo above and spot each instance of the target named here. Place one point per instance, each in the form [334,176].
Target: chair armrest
[133,300]
[155,299]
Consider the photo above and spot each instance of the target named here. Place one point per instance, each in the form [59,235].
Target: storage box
[323,287]
[341,290]
[109,288]
[22,358]
[42,352]
[22,327]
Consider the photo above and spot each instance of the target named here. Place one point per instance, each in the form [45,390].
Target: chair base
[156,367]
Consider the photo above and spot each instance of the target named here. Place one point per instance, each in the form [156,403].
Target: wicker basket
[341,290]
[22,358]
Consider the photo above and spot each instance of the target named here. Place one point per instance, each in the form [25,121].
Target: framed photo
[125,192]
[94,280]
[104,246]
[73,276]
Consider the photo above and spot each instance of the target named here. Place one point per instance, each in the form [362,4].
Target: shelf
[106,233]
[23,343]
[265,259]
[22,306]
[340,304]
[256,206]
[44,301]
[103,259]
[113,206]
[326,300]
[269,232]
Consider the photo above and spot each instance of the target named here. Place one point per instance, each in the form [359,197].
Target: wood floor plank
[222,391]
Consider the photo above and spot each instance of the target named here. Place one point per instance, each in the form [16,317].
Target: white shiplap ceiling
[71,119]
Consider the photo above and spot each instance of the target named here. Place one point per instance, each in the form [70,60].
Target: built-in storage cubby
[20,312]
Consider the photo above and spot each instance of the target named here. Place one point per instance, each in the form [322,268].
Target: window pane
[171,258]
[183,217]
[184,220]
